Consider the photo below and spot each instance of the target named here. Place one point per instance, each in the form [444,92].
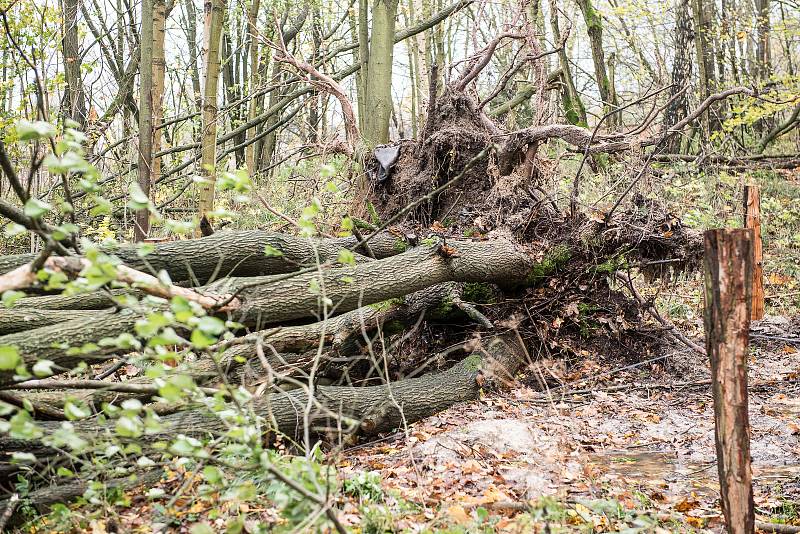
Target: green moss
[442,310]
[386,304]
[373,214]
[612,264]
[555,258]
[473,362]
[585,309]
[478,292]
[400,246]
[448,221]
[393,327]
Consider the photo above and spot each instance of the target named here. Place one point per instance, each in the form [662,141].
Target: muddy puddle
[670,473]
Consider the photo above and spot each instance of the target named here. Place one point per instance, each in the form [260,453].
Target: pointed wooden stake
[728,283]
[752,219]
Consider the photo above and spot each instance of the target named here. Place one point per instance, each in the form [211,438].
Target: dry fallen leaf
[458,515]
[686,504]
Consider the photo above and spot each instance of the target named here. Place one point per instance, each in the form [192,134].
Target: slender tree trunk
[74,106]
[363,59]
[681,72]
[191,40]
[729,34]
[787,45]
[379,66]
[252,84]
[705,62]
[594,27]
[159,71]
[763,55]
[574,110]
[142,224]
[214,18]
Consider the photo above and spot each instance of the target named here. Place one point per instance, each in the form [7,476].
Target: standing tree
[594,27]
[376,102]
[142,223]
[212,36]
[677,108]
[74,102]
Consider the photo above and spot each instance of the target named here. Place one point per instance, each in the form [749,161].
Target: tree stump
[728,293]
[752,219]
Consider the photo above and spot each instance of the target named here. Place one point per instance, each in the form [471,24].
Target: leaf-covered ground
[634,448]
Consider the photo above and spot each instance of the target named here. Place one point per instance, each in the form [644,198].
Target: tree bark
[728,285]
[594,27]
[74,106]
[212,37]
[681,74]
[574,110]
[159,73]
[241,253]
[253,82]
[270,300]
[752,220]
[365,410]
[378,102]
[141,227]
[763,52]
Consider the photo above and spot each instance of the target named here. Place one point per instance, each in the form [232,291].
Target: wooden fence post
[728,293]
[752,219]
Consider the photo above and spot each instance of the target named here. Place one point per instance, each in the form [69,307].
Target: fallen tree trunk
[21,319]
[366,410]
[272,300]
[285,351]
[240,253]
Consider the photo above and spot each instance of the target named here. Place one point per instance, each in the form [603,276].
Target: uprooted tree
[467,271]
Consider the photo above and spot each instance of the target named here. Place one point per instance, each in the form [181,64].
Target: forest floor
[632,449]
[621,443]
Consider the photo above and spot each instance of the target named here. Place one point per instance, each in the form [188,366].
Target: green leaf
[14,229]
[74,410]
[211,325]
[137,199]
[63,231]
[10,297]
[32,130]
[129,427]
[201,528]
[212,474]
[64,472]
[200,340]
[22,458]
[271,251]
[9,358]
[35,208]
[102,206]
[346,257]
[43,368]
[145,249]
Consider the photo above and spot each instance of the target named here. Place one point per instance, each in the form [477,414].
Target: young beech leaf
[9,358]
